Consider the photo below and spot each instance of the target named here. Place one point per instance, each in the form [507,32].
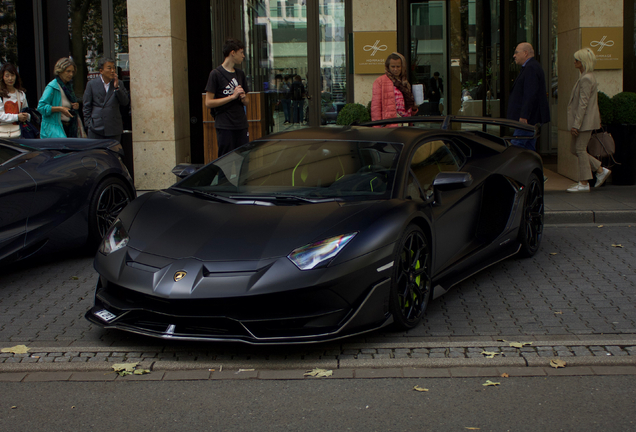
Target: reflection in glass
[475,46]
[276,37]
[8,31]
[333,73]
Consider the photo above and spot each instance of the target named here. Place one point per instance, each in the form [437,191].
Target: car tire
[531,227]
[108,200]
[411,284]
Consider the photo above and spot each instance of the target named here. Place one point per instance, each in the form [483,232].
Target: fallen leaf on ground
[14,407]
[600,226]
[18,349]
[519,344]
[558,313]
[490,383]
[420,389]
[74,278]
[557,363]
[124,369]
[617,245]
[490,354]
[553,253]
[505,375]
[319,373]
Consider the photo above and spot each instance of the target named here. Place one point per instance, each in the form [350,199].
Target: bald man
[528,102]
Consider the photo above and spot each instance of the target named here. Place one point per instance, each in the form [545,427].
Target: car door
[16,196]
[455,217]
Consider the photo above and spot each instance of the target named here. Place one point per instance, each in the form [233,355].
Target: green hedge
[353,112]
[605,108]
[624,108]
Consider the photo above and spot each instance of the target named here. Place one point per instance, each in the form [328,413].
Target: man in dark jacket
[102,99]
[528,98]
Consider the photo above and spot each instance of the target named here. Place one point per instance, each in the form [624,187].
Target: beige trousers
[587,163]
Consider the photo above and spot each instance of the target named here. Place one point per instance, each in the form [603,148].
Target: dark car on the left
[58,194]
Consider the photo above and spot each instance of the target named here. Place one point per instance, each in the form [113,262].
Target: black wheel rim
[413,282]
[533,214]
[111,202]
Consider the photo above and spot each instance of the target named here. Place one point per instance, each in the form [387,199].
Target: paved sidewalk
[607,204]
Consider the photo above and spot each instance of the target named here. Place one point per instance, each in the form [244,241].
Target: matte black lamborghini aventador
[59,193]
[319,234]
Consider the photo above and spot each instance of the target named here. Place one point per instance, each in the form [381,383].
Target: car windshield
[305,170]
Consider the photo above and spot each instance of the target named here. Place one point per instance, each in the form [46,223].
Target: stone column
[573,16]
[371,15]
[159,90]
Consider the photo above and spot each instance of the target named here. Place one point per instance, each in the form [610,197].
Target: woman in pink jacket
[392,95]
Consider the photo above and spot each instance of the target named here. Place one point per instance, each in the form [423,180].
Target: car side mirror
[446,181]
[184,170]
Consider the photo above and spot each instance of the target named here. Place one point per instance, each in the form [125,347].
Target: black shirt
[222,84]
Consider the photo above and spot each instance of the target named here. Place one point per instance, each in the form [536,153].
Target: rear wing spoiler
[448,121]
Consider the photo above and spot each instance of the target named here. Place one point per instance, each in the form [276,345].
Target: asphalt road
[579,283]
[599,403]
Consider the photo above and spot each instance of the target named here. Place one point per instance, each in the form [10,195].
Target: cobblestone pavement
[581,285]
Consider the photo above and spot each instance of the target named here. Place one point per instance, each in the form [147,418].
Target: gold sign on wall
[370,50]
[607,45]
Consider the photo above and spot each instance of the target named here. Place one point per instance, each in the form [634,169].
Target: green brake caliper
[417,281]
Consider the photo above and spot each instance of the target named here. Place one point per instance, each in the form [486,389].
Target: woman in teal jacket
[58,104]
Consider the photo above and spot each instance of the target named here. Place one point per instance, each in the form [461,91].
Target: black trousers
[230,139]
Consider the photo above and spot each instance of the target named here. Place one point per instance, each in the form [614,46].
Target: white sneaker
[579,187]
[601,177]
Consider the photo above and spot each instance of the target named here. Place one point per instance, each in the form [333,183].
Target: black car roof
[68,144]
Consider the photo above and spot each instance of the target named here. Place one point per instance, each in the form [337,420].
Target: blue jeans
[297,110]
[527,144]
[287,109]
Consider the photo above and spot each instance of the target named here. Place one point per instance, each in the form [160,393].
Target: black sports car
[59,193]
[319,234]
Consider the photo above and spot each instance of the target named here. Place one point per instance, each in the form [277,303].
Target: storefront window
[276,44]
[333,61]
[8,31]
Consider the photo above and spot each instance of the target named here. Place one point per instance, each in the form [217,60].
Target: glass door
[333,59]
[475,58]
[429,55]
[276,33]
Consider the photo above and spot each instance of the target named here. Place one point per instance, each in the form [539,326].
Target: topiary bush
[605,108]
[353,113]
[624,108]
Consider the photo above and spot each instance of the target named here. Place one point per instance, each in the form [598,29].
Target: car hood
[182,226]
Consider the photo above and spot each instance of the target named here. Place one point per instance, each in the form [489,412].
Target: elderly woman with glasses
[58,104]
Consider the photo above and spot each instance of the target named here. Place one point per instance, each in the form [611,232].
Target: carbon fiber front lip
[340,333]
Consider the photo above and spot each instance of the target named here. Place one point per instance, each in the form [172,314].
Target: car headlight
[115,239]
[319,254]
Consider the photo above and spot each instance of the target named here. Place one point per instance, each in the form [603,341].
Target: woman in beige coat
[583,118]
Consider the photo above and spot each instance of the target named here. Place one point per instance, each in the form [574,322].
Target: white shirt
[106,85]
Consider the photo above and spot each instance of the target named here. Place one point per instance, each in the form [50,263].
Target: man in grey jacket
[102,99]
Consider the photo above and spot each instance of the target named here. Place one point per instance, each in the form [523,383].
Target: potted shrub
[622,126]
[353,113]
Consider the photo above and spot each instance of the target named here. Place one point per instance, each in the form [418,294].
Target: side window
[7,153]
[430,159]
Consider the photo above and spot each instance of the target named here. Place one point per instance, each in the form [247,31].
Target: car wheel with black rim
[531,228]
[109,199]
[411,284]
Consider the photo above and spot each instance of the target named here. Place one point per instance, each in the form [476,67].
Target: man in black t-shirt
[226,96]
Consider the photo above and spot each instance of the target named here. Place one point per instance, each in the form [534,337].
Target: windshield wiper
[285,198]
[207,195]
[224,199]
